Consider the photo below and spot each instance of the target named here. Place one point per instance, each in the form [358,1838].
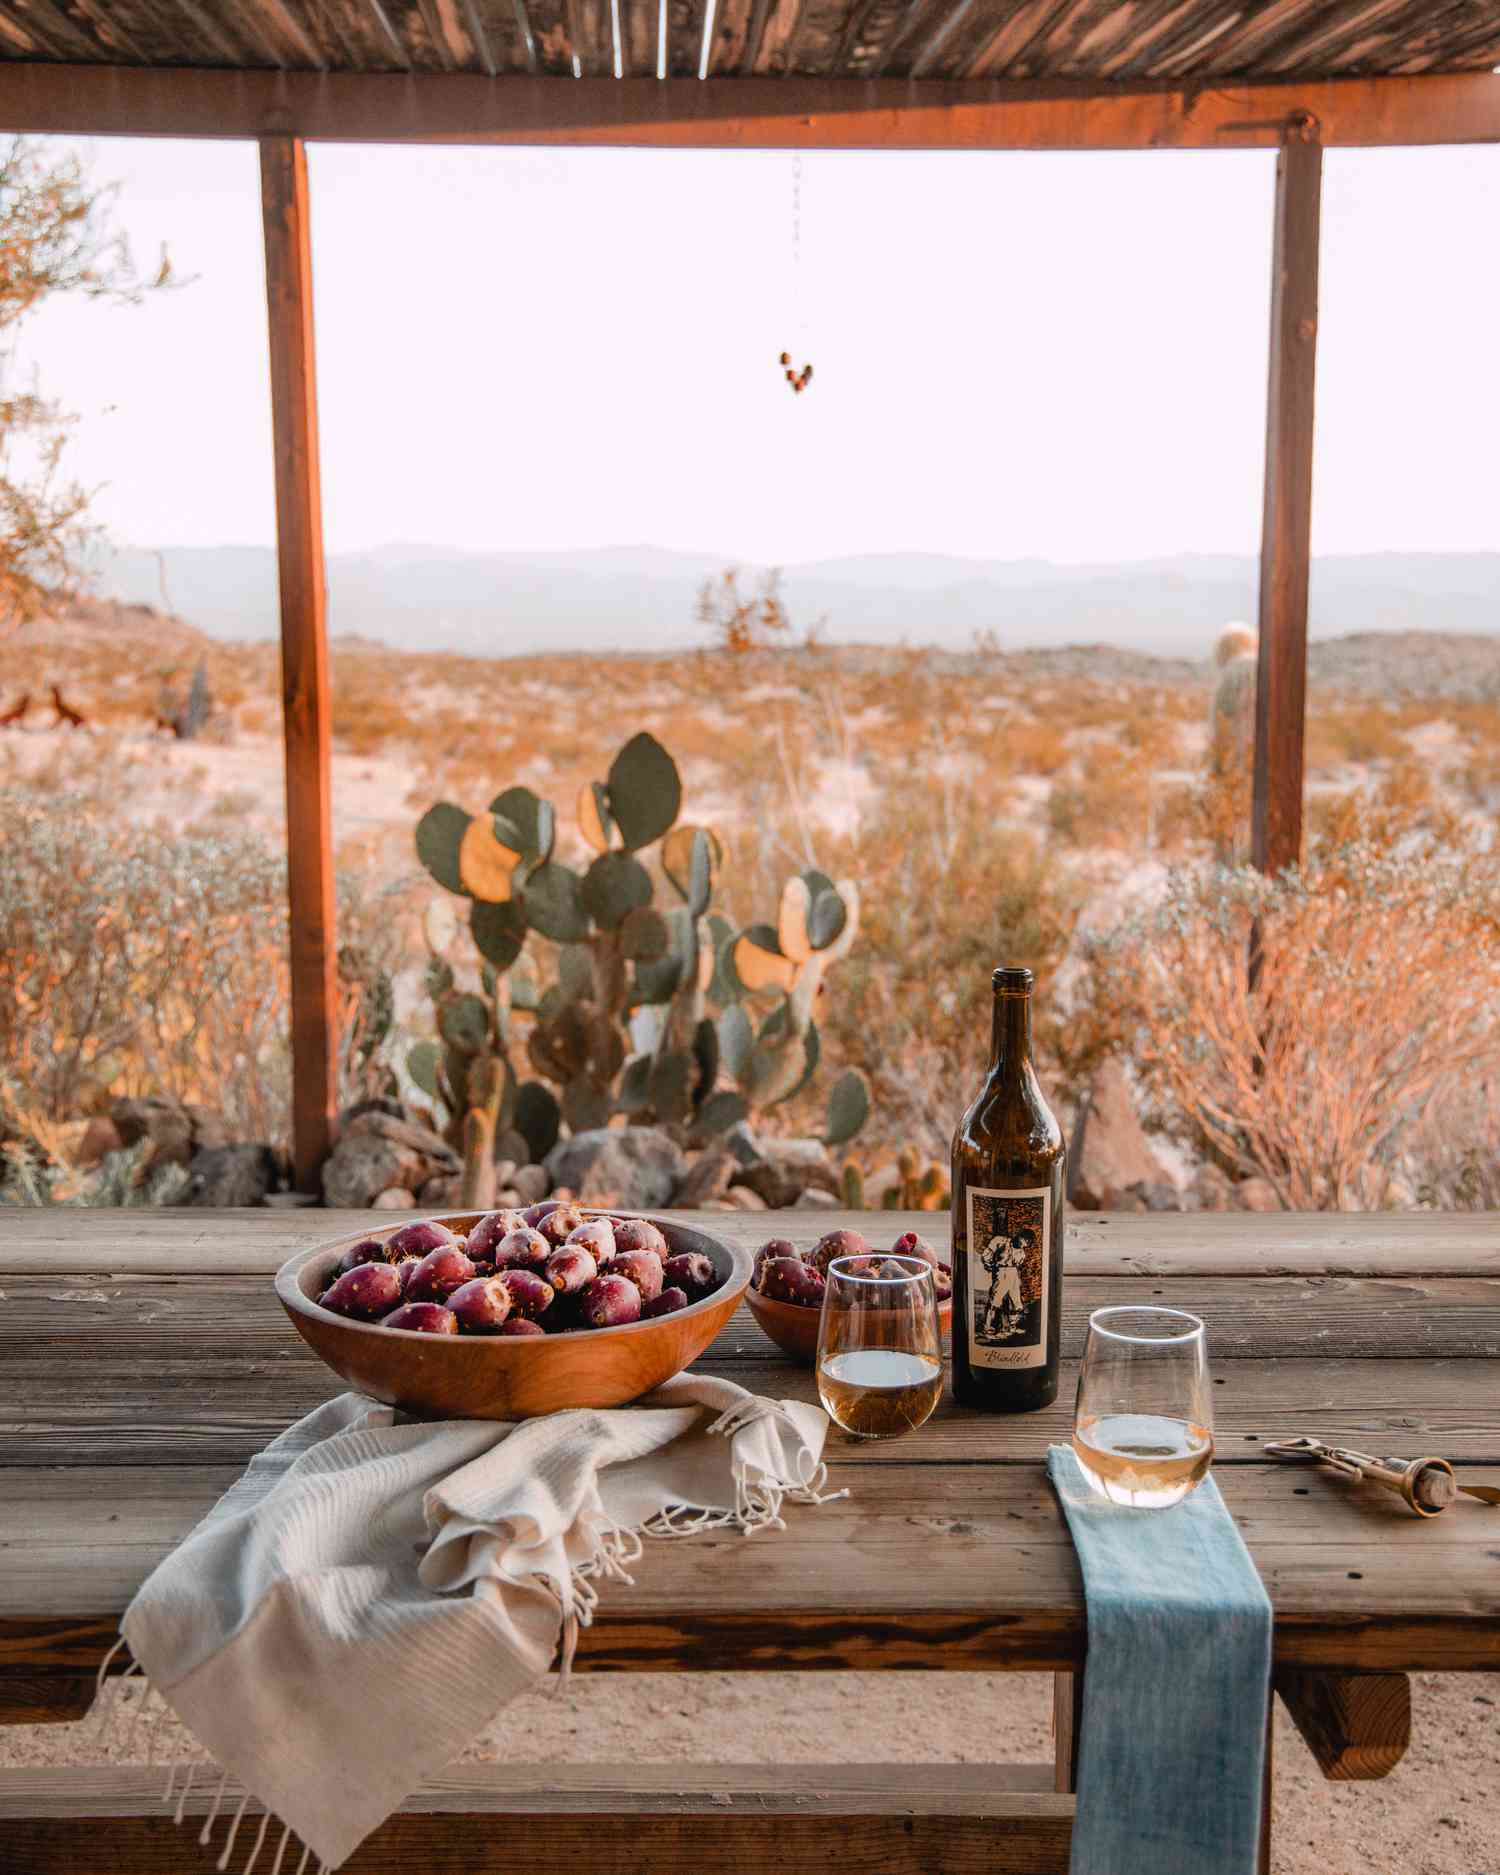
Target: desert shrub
[1377,994]
[1106,801]
[136,961]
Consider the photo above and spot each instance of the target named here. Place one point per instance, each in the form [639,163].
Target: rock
[228,1176]
[1213,1189]
[398,1198]
[376,1103]
[99,1138]
[786,1168]
[815,1199]
[707,1177]
[210,1129]
[531,1183]
[362,1167]
[1256,1194]
[1110,1151]
[505,1171]
[636,1167]
[163,1122]
[741,1198]
[440,1193]
[401,1132]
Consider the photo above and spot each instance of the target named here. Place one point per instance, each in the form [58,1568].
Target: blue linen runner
[1177,1681]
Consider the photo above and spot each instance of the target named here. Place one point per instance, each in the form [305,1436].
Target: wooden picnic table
[144,1359]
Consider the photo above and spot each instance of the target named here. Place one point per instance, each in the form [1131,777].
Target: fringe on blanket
[757,1506]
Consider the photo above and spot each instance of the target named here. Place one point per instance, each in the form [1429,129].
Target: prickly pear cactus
[627,1025]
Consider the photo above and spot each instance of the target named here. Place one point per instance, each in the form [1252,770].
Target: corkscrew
[1428,1485]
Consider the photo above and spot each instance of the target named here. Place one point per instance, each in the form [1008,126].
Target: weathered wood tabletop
[144,1358]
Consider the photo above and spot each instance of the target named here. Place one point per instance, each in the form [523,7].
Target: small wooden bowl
[496,1376]
[794,1328]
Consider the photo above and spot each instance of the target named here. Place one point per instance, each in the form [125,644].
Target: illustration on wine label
[1008,1242]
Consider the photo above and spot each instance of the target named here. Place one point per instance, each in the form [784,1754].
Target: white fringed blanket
[359,1606]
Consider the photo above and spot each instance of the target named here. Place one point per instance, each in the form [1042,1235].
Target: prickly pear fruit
[481,1306]
[597,1236]
[641,1267]
[690,1270]
[488,1233]
[571,1269]
[530,1295]
[769,1252]
[667,1303]
[424,1318]
[639,1233]
[406,1269]
[417,1240]
[909,1244]
[534,1213]
[437,1276]
[365,1293]
[789,1279]
[522,1249]
[520,1325]
[367,1250]
[837,1243]
[557,1226]
[610,1301]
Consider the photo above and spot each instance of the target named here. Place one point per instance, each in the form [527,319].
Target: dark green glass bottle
[1008,1166]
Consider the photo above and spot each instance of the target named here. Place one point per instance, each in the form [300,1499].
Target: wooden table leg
[1357,1725]
[1067,1729]
[1263,1861]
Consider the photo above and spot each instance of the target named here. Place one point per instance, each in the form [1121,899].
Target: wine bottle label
[1010,1243]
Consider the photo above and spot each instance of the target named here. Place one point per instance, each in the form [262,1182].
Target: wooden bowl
[794,1328]
[495,1376]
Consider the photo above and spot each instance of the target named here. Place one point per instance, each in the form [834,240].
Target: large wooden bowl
[497,1377]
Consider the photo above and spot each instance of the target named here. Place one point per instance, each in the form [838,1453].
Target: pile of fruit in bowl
[786,1284]
[547,1270]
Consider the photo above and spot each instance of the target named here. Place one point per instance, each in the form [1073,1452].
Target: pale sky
[1059,356]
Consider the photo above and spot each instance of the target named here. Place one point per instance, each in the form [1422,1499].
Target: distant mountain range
[642,598]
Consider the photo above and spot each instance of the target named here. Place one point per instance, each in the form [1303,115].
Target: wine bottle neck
[1010,1042]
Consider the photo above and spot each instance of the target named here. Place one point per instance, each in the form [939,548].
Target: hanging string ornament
[798,378]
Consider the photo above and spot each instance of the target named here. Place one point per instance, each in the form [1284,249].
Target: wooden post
[1281,677]
[1357,1725]
[304,652]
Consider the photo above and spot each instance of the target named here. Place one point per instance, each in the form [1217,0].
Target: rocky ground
[1436,1814]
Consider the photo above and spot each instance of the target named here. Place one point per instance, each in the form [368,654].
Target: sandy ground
[1437,1814]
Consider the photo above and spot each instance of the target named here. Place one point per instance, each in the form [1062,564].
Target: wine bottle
[1008,1163]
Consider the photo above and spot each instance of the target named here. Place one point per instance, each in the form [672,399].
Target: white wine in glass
[880,1352]
[1143,1428]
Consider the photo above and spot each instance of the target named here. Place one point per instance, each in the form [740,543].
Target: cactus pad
[613,887]
[645,791]
[554,904]
[499,931]
[439,836]
[848,1108]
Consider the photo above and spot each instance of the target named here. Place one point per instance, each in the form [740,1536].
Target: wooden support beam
[1067,1730]
[1286,524]
[304,653]
[1357,1725]
[741,113]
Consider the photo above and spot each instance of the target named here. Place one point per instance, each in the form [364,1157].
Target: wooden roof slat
[1334,35]
[552,35]
[1053,40]
[37,26]
[684,37]
[215,32]
[284,23]
[778,33]
[593,38]
[913,29]
[1017,30]
[1258,29]
[1189,52]
[639,22]
[1431,39]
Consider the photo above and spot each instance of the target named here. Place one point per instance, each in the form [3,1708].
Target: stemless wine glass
[880,1356]
[1143,1429]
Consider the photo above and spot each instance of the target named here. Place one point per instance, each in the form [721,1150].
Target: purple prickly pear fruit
[610,1301]
[364,1293]
[520,1325]
[789,1279]
[437,1276]
[909,1244]
[418,1240]
[862,1266]
[424,1318]
[690,1270]
[892,1271]
[770,1252]
[639,1233]
[597,1236]
[522,1249]
[406,1269]
[530,1294]
[482,1306]
[570,1269]
[837,1243]
[942,1281]
[367,1250]
[488,1232]
[641,1267]
[667,1303]
[534,1213]
[557,1226]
